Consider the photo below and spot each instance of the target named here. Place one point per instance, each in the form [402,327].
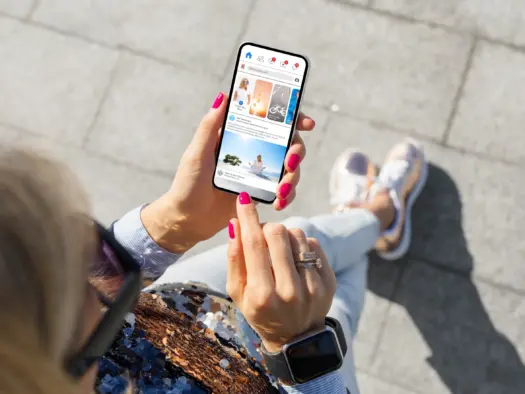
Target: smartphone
[263,107]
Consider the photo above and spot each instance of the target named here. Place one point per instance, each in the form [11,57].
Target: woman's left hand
[193,210]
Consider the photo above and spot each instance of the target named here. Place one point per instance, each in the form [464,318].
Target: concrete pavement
[116,88]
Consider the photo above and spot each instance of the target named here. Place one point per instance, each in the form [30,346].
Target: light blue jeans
[346,238]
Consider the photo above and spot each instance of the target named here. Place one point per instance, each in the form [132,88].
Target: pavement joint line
[160,60]
[55,141]
[105,94]
[21,131]
[399,17]
[34,6]
[244,28]
[465,275]
[384,321]
[130,165]
[414,133]
[106,45]
[457,30]
[397,384]
[461,89]
[67,33]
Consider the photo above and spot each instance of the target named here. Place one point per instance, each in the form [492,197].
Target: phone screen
[258,128]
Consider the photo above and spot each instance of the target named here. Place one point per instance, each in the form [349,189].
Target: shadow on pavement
[436,289]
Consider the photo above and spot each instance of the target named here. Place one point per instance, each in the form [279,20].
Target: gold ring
[307,256]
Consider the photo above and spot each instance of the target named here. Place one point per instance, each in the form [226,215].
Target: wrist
[167,226]
[275,345]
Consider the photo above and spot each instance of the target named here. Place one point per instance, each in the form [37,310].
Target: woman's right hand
[279,301]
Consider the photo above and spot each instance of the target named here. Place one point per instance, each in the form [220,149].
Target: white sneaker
[404,174]
[350,179]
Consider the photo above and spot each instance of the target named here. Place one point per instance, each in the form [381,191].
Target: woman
[54,327]
[46,247]
[257,166]
[242,94]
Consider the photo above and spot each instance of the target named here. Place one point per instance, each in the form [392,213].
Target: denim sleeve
[332,383]
[131,234]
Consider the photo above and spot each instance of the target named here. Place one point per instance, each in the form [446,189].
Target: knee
[302,223]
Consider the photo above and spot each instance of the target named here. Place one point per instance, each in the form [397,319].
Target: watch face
[314,356]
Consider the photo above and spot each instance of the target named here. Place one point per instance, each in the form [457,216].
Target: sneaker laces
[392,178]
[393,175]
[350,188]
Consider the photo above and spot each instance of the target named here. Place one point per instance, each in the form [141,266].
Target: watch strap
[277,365]
[336,326]
[276,361]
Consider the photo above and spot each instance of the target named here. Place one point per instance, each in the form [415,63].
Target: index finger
[258,265]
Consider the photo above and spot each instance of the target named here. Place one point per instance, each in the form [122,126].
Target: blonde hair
[244,83]
[44,247]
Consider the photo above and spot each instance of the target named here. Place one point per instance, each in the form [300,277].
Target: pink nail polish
[244,198]
[285,189]
[218,101]
[283,204]
[294,161]
[231,231]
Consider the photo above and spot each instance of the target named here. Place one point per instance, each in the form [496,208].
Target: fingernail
[231,230]
[283,204]
[285,189]
[218,101]
[294,161]
[244,198]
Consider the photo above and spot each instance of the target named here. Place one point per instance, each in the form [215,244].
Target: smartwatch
[310,357]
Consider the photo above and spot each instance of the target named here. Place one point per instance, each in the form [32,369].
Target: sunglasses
[116,278]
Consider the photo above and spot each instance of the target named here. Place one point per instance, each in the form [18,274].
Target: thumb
[205,139]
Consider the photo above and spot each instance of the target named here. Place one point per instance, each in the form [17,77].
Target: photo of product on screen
[265,96]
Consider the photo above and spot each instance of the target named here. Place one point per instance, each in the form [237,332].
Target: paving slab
[19,8]
[374,67]
[113,188]
[490,114]
[52,84]
[382,281]
[469,215]
[357,2]
[372,385]
[441,336]
[151,113]
[198,34]
[7,135]
[495,19]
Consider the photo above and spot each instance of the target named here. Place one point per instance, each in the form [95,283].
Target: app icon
[240,103]
[297,79]
[242,66]
[232,117]
[249,55]
[272,60]
[295,66]
[284,63]
[261,59]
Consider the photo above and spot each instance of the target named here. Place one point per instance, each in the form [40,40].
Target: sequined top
[154,260]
